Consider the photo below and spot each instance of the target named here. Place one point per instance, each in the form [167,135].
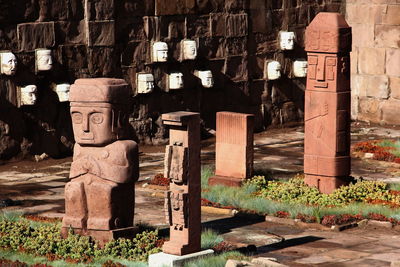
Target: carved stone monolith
[182,167]
[233,149]
[327,102]
[99,199]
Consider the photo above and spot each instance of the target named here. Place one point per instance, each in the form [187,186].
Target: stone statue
[206,78]
[8,63]
[273,70]
[175,80]
[300,68]
[62,91]
[189,49]
[145,83]
[160,52]
[99,199]
[28,95]
[286,40]
[43,60]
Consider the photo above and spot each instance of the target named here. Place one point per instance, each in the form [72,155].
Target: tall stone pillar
[100,198]
[327,102]
[233,148]
[182,167]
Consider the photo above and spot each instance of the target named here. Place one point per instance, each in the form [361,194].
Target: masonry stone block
[354,61]
[172,27]
[369,110]
[395,87]
[392,62]
[36,35]
[178,7]
[218,26]
[101,33]
[390,112]
[212,48]
[135,53]
[70,32]
[102,61]
[236,68]
[99,9]
[378,87]
[391,16]
[387,36]
[128,9]
[198,26]
[236,46]
[371,60]
[236,25]
[74,56]
[260,16]
[152,28]
[364,35]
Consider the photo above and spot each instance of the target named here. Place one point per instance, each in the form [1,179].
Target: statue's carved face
[206,78]
[273,70]
[300,68]
[62,91]
[287,40]
[8,63]
[176,80]
[160,52]
[145,83]
[28,95]
[93,124]
[189,49]
[44,62]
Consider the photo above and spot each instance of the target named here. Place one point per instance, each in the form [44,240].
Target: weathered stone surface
[218,26]
[390,112]
[101,33]
[236,25]
[370,110]
[152,28]
[70,32]
[391,15]
[392,62]
[36,35]
[395,87]
[365,36]
[165,7]
[100,9]
[371,60]
[378,87]
[102,62]
[172,28]
[74,56]
[387,36]
[198,26]
[135,53]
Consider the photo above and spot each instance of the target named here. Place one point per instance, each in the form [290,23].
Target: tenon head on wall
[43,60]
[286,40]
[273,70]
[160,52]
[8,63]
[189,48]
[62,91]
[206,78]
[175,80]
[145,83]
[28,95]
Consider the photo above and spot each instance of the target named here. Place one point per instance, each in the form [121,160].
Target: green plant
[217,260]
[210,239]
[206,172]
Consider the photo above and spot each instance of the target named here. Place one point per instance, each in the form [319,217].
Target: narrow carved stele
[327,102]
[182,167]
[99,199]
[233,149]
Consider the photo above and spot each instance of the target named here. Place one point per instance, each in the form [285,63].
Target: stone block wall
[375,60]
[110,38]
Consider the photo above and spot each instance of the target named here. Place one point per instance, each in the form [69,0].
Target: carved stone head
[99,110]
[273,70]
[286,40]
[145,83]
[160,52]
[300,68]
[206,78]
[28,95]
[175,80]
[8,63]
[62,91]
[189,48]
[43,59]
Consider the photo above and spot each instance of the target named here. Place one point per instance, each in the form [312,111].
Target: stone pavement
[37,187]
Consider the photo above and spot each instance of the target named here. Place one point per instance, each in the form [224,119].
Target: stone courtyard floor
[37,187]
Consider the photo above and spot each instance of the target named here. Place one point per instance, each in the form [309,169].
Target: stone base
[168,260]
[226,181]
[179,249]
[103,236]
[326,184]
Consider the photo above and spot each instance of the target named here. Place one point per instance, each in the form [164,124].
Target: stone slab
[35,35]
[167,260]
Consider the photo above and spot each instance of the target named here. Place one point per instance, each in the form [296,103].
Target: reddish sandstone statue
[182,167]
[233,148]
[327,103]
[99,199]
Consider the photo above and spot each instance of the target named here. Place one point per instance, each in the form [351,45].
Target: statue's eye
[76,117]
[96,118]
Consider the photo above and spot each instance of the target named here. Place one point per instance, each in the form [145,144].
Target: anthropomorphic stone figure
[145,83]
[273,70]
[286,40]
[327,103]
[175,80]
[160,52]
[62,91]
[189,49]
[28,95]
[99,199]
[300,68]
[8,63]
[205,77]
[43,60]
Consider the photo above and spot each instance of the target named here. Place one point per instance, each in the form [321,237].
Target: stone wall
[375,60]
[105,38]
